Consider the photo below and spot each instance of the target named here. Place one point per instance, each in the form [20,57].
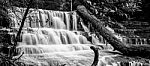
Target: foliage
[4,18]
[63,5]
[117,11]
[145,8]
[8,50]
[121,10]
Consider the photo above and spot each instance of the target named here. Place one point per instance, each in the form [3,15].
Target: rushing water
[52,36]
[55,47]
[44,18]
[48,41]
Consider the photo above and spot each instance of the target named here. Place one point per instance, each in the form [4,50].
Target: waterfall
[67,20]
[145,41]
[84,27]
[49,43]
[47,40]
[38,49]
[136,41]
[95,40]
[74,19]
[58,23]
[44,18]
[52,36]
[30,39]
[83,40]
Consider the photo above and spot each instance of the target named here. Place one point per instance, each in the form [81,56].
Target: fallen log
[125,49]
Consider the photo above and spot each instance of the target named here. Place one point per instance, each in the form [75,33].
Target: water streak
[44,18]
[50,43]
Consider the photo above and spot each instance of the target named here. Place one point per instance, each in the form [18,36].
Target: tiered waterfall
[50,38]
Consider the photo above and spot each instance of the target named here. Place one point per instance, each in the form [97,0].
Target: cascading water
[84,27]
[44,18]
[52,36]
[50,43]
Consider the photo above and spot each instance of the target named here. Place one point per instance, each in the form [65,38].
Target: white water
[46,46]
[84,27]
[43,18]
[52,36]
[50,43]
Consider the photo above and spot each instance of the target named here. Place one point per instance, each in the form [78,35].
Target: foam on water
[52,36]
[74,58]
[38,49]
[50,43]
[38,18]
[84,27]
[58,23]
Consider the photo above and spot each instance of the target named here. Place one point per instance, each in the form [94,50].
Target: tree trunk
[131,50]
[96,57]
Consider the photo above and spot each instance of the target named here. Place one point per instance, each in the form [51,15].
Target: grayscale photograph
[74,33]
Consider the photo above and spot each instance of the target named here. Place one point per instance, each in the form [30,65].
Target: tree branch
[126,49]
